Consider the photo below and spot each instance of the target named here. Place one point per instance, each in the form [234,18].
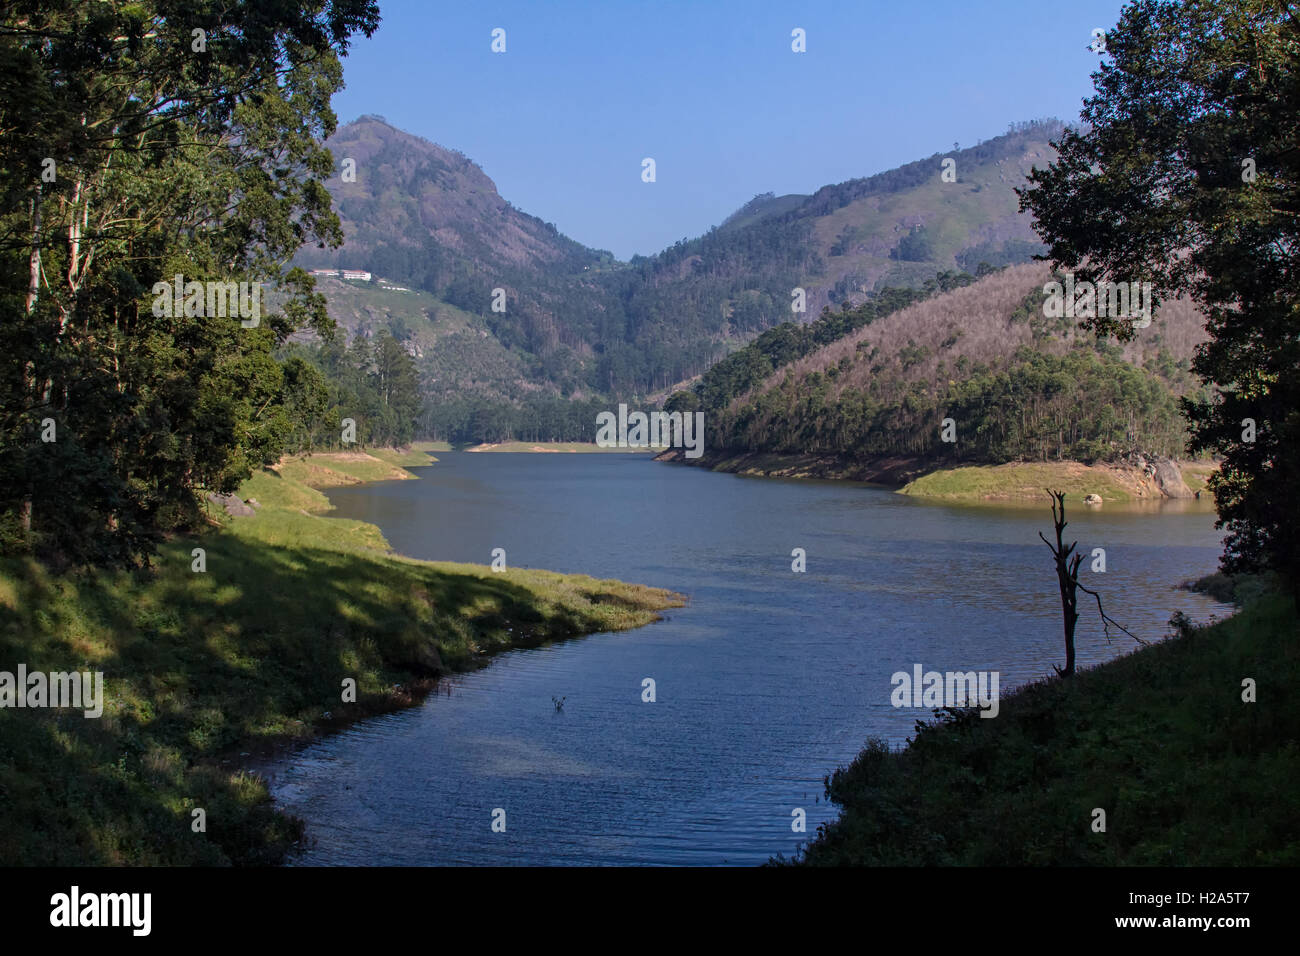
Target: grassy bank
[1026,480]
[1015,481]
[1160,739]
[201,667]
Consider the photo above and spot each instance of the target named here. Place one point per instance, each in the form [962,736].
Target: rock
[1169,479]
[233,504]
[1092,499]
[254,503]
[427,658]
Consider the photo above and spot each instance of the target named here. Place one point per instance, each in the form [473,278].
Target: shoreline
[530,447]
[264,752]
[1144,481]
[237,649]
[1061,748]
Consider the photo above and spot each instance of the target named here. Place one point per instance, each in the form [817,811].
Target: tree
[914,247]
[139,142]
[1067,577]
[398,385]
[306,401]
[682,401]
[1186,173]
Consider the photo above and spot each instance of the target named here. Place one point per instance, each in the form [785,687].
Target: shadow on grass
[256,648]
[1187,770]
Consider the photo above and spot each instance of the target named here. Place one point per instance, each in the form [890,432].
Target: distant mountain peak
[427,217]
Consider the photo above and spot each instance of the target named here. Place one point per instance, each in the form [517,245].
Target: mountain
[577,321]
[699,299]
[455,351]
[430,219]
[761,206]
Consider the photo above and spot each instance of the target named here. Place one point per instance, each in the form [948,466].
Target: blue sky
[712,91]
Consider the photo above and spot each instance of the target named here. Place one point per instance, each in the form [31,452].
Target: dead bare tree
[1067,576]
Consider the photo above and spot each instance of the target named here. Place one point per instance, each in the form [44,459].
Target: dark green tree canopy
[1186,173]
[140,142]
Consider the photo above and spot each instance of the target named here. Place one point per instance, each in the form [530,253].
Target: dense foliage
[1187,175]
[473,420]
[373,382]
[1081,405]
[139,142]
[748,367]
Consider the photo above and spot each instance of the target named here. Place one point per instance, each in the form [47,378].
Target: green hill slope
[456,352]
[1014,383]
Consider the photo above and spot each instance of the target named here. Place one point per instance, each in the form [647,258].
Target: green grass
[329,469]
[1160,739]
[411,457]
[1196,475]
[1235,589]
[1018,480]
[201,666]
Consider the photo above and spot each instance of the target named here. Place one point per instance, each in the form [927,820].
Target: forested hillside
[455,351]
[429,218]
[875,374]
[1015,383]
[577,322]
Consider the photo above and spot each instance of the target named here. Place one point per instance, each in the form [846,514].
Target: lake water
[765,683]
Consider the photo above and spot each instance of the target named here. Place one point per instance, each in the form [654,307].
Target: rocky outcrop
[1164,474]
[233,504]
